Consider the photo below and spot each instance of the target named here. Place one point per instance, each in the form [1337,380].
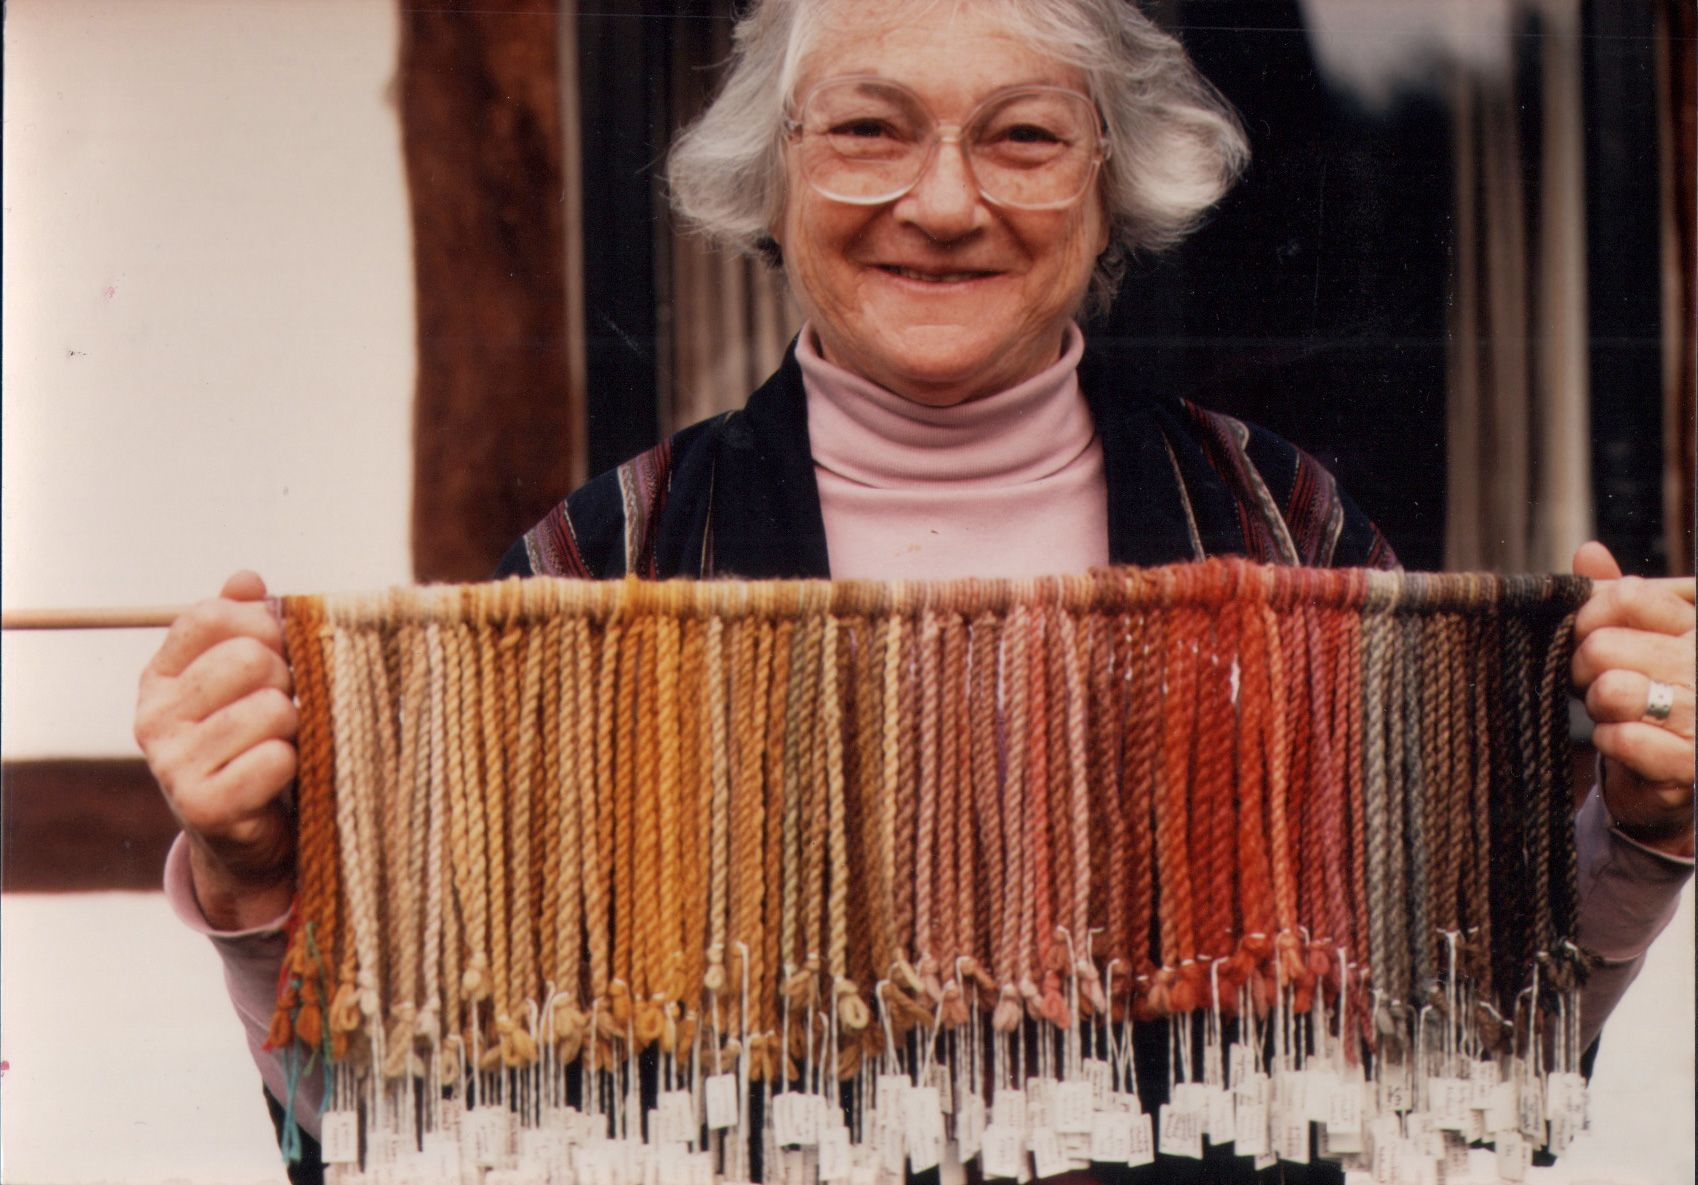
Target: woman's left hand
[1634,640]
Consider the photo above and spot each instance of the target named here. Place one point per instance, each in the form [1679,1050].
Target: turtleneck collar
[1008,485]
[865,434]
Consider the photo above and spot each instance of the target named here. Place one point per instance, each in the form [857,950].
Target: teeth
[934,277]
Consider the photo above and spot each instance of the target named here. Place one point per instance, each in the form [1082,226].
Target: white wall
[208,324]
[208,364]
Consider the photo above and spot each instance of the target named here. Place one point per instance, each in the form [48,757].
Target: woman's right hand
[216,720]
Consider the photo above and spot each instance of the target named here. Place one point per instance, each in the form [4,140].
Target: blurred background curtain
[725,318]
[1518,490]
[1677,129]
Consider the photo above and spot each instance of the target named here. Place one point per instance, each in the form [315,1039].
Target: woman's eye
[862,129]
[1026,133]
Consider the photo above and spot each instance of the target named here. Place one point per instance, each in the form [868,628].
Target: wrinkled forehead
[958,49]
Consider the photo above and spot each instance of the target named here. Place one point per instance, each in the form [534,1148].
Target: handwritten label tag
[1143,1140]
[1100,1076]
[834,1161]
[339,1137]
[1515,1157]
[1070,1107]
[1344,1117]
[677,1117]
[1047,1157]
[923,1123]
[1250,1125]
[1004,1151]
[1220,1116]
[794,1117]
[970,1125]
[1500,1113]
[1181,1133]
[1008,1109]
[1455,1157]
[1395,1092]
[490,1129]
[1531,1107]
[1111,1137]
[1447,1102]
[1319,1087]
[892,1148]
[891,1088]
[1291,1138]
[939,1081]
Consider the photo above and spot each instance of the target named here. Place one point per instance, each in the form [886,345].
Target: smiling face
[939,296]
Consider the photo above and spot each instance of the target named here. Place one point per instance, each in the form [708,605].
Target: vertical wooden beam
[494,430]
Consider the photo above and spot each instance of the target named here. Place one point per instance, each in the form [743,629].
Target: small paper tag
[1004,1151]
[1008,1109]
[1250,1125]
[1531,1118]
[939,1081]
[1345,1115]
[490,1129]
[1221,1119]
[794,1118]
[1384,1135]
[1319,1087]
[1100,1076]
[441,1155]
[834,1160]
[1076,1147]
[892,1149]
[1341,1145]
[677,1117]
[1111,1137]
[1047,1158]
[1515,1156]
[970,1125]
[1395,1094]
[1181,1133]
[923,1123]
[1500,1113]
[1291,1139]
[1482,1078]
[339,1137]
[1442,1102]
[1070,1108]
[1143,1140]
[1455,1157]
[722,1101]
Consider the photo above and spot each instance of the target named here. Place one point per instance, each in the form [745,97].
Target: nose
[945,201]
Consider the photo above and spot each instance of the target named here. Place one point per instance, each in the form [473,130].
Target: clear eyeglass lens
[866,141]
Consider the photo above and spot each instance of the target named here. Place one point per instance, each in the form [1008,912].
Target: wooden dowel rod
[144,617]
[116,617]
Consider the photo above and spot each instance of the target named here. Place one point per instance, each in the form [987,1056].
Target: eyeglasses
[867,141]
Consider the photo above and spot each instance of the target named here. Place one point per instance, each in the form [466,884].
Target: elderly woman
[948,186]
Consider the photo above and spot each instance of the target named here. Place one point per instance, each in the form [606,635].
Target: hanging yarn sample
[868,855]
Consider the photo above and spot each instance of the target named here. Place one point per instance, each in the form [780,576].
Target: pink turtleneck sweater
[1008,485]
